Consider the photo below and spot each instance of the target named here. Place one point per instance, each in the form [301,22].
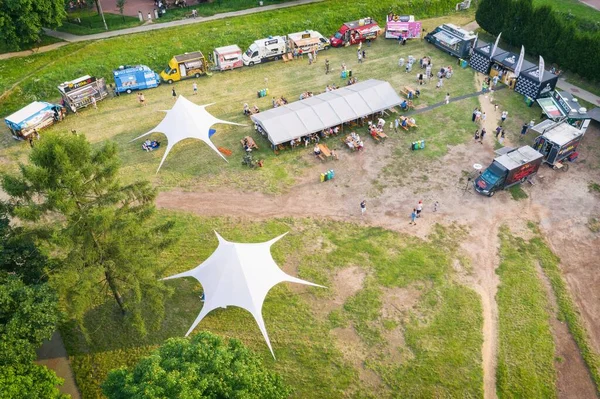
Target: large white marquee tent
[239,275]
[186,120]
[326,110]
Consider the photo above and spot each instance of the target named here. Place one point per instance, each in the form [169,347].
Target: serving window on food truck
[79,93]
[563,105]
[503,66]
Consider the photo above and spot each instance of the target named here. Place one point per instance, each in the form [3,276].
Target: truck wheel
[491,194]
[197,75]
[565,167]
[251,63]
[128,91]
[523,180]
[170,81]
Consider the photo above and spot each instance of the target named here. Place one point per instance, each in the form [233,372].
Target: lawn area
[115,120]
[438,355]
[45,40]
[526,347]
[87,22]
[155,48]
[574,7]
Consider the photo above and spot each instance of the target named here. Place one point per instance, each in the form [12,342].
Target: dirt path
[53,355]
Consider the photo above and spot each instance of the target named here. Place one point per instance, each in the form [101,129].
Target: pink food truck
[403,26]
[228,57]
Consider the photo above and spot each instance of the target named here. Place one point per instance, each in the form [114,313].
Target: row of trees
[557,37]
[104,245]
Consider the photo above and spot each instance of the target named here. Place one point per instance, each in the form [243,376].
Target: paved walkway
[53,355]
[577,92]
[592,3]
[68,37]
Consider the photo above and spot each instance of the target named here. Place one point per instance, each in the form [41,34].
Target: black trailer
[512,166]
[481,59]
[504,65]
[529,83]
[452,39]
[557,142]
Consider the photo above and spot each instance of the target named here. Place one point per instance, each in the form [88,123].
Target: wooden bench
[382,135]
[404,92]
[287,57]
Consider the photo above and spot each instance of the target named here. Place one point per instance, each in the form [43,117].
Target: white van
[271,48]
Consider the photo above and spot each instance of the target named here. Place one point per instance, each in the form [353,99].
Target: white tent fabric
[239,275]
[326,110]
[184,121]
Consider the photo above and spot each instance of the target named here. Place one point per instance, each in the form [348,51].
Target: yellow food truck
[185,66]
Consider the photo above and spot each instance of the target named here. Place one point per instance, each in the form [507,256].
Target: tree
[28,316]
[121,7]
[21,21]
[98,228]
[18,252]
[201,367]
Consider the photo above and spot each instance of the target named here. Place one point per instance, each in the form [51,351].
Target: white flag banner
[476,40]
[541,69]
[520,62]
[495,45]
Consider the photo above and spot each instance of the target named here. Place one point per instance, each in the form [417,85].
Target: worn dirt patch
[574,380]
[346,283]
[355,352]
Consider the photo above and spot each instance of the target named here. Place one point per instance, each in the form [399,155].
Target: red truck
[355,32]
[513,166]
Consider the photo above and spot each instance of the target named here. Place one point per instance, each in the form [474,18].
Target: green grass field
[573,7]
[441,355]
[88,21]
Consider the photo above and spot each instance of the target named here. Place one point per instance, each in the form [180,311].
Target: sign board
[72,86]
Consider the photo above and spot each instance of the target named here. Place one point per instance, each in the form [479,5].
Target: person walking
[502,137]
[413,217]
[363,207]
[142,99]
[419,208]
[447,99]
[483,116]
[483,132]
[195,87]
[173,93]
[498,130]
[326,67]
[476,136]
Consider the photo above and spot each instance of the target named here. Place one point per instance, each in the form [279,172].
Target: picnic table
[250,141]
[325,150]
[408,122]
[351,143]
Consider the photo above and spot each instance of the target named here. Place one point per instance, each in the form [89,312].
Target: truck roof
[356,24]
[457,31]
[518,157]
[27,111]
[189,56]
[228,49]
[559,133]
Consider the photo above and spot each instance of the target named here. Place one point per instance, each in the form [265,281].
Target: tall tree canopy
[201,367]
[21,21]
[28,315]
[98,228]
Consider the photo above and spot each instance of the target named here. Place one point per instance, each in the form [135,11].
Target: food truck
[557,142]
[228,57]
[36,115]
[271,48]
[137,77]
[185,66]
[562,105]
[403,26]
[78,93]
[453,40]
[355,31]
[512,166]
[307,41]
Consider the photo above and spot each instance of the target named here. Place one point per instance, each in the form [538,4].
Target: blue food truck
[34,116]
[137,77]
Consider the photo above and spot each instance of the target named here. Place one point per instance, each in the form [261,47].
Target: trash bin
[464,63]
[528,101]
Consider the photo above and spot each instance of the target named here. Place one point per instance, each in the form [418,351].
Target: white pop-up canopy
[239,275]
[187,120]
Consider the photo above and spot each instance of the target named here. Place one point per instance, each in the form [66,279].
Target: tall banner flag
[495,45]
[520,62]
[541,69]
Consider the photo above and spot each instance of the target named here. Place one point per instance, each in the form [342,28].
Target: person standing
[142,99]
[30,139]
[483,116]
[195,87]
[477,115]
[498,130]
[419,208]
[483,132]
[413,217]
[93,100]
[363,207]
[326,67]
[310,58]
[37,134]
[447,99]
[396,124]
[364,54]
[524,129]
[504,116]
[359,55]
[474,115]
[476,136]
[173,93]
[502,137]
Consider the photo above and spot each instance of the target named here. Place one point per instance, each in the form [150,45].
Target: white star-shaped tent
[239,275]
[187,120]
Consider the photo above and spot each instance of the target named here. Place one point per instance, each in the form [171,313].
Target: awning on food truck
[326,110]
[446,38]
